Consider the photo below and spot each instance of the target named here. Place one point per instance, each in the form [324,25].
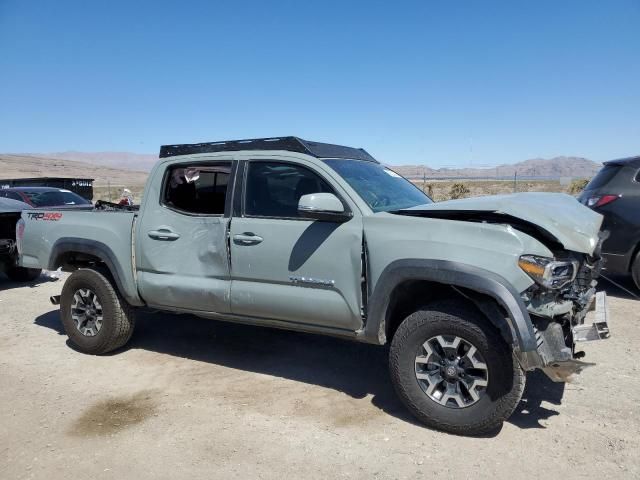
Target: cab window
[198,188]
[273,189]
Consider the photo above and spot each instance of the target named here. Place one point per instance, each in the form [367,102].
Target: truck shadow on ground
[355,369]
[6,284]
[530,410]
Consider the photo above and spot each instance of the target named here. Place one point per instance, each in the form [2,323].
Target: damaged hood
[558,215]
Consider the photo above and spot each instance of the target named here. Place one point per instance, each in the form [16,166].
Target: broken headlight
[549,272]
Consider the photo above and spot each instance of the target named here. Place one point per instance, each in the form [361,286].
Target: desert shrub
[458,190]
[428,189]
[577,185]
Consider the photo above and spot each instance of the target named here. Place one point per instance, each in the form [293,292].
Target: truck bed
[47,233]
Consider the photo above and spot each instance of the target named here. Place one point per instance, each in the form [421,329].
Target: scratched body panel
[190,272]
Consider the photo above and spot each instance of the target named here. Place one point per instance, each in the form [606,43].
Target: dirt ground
[199,399]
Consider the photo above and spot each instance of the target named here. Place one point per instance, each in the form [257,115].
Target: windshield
[55,198]
[383,189]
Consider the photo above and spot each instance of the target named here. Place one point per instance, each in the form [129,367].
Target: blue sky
[435,82]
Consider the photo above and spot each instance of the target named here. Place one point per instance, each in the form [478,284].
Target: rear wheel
[453,370]
[95,317]
[22,274]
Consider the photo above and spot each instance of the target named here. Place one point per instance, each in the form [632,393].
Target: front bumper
[599,328]
[556,354]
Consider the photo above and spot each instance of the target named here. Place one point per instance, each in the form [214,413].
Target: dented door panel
[190,272]
[181,259]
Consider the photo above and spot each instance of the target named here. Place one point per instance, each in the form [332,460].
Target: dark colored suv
[615,193]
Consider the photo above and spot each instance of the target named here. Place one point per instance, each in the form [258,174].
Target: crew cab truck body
[320,238]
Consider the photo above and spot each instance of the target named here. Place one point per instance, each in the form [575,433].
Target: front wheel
[95,318]
[453,370]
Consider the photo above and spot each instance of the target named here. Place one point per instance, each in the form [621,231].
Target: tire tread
[123,316]
[448,313]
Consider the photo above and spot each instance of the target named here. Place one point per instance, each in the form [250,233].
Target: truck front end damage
[559,305]
[562,291]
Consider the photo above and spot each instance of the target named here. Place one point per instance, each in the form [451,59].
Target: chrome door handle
[247,238]
[163,233]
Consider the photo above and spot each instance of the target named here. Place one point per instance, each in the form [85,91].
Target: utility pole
[515,181]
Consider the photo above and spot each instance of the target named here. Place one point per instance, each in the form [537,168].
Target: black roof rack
[291,144]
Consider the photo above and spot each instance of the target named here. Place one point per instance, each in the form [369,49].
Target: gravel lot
[194,398]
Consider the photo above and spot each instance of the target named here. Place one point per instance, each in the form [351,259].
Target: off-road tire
[22,274]
[635,270]
[506,379]
[118,316]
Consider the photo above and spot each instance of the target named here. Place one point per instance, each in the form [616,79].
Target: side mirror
[323,206]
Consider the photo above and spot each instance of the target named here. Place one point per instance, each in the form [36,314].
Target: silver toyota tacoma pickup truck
[468,294]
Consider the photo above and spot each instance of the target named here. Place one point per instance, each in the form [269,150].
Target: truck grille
[587,273]
[589,269]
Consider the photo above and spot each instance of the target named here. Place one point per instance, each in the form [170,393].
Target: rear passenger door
[291,268]
[181,251]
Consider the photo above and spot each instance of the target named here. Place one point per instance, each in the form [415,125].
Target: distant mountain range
[22,165]
[132,168]
[556,167]
[127,160]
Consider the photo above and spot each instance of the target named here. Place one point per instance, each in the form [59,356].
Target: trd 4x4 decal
[52,216]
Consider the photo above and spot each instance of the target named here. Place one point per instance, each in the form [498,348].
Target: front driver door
[287,267]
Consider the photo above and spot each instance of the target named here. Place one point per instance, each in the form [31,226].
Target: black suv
[615,193]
